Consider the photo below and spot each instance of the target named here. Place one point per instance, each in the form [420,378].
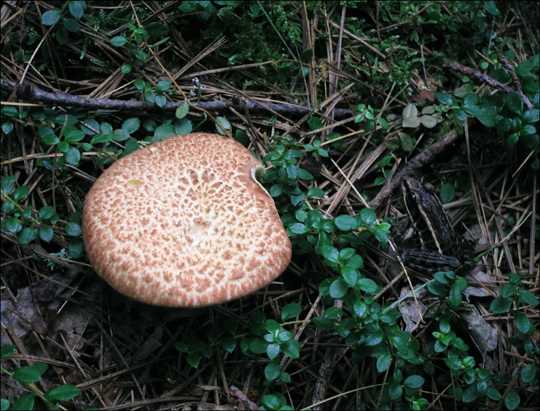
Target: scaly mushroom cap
[182,223]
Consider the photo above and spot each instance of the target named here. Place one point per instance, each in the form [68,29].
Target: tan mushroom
[184,223]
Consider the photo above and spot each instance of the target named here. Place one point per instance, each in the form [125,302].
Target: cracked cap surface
[183,223]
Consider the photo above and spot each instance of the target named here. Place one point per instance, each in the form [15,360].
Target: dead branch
[29,92]
[472,73]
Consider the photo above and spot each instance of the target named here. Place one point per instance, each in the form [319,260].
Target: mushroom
[185,223]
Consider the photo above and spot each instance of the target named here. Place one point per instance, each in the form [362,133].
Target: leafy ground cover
[341,100]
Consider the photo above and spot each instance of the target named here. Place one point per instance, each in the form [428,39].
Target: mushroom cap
[182,223]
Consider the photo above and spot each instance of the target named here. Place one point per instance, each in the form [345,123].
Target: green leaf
[271,371]
[27,374]
[7,350]
[9,111]
[71,25]
[447,193]
[531,116]
[355,262]
[470,394]
[368,216]
[528,373]
[292,172]
[74,135]
[228,343]
[459,114]
[350,275]
[27,235]
[512,140]
[276,190]
[101,138]
[315,123]
[119,41]
[383,362]
[428,121]
[193,360]
[62,35]
[291,348]
[346,223]
[444,98]
[76,8]
[73,229]
[131,146]
[315,192]
[338,288]
[436,288]
[522,322]
[13,225]
[8,207]
[63,392]
[120,135]
[406,142]
[381,236]
[500,305]
[51,17]
[157,29]
[491,8]
[472,110]
[46,234]
[182,110]
[493,394]
[4,404]
[7,184]
[367,285]
[410,116]
[271,402]
[72,156]
[414,381]
[159,99]
[346,253]
[526,297]
[322,323]
[131,125]
[258,346]
[272,350]
[25,403]
[514,102]
[225,124]
[375,338]
[126,68]
[304,174]
[63,146]
[470,99]
[164,131]
[290,311]
[330,253]
[360,308]
[512,400]
[7,127]
[76,247]
[183,126]
[298,228]
[163,85]
[455,298]
[21,192]
[394,390]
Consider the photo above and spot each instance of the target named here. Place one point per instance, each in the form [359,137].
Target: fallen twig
[243,398]
[472,73]
[29,92]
